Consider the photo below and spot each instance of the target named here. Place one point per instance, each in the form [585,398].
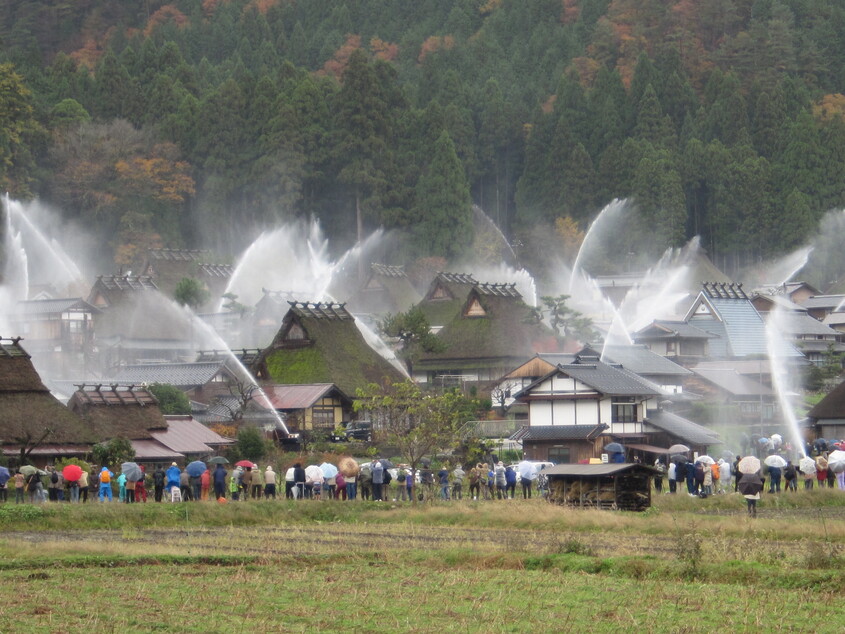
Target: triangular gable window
[702,309]
[374,285]
[475,309]
[295,333]
[100,301]
[440,292]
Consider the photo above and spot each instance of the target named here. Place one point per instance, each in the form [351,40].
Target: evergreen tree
[443,206]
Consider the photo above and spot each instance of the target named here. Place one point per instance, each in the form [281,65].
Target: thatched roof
[320,343]
[831,406]
[445,296]
[118,411]
[28,411]
[387,290]
[492,323]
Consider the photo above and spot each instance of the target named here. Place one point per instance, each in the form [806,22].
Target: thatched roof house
[167,267]
[491,332]
[32,420]
[112,411]
[320,343]
[387,290]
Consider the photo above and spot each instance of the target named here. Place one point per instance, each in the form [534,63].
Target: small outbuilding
[623,487]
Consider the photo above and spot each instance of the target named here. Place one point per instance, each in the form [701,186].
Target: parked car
[356,430]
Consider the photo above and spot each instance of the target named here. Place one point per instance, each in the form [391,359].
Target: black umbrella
[614,447]
[678,459]
[218,460]
[750,484]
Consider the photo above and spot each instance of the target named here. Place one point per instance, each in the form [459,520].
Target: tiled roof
[823,301]
[558,432]
[802,324]
[179,374]
[682,428]
[185,435]
[146,449]
[641,360]
[732,382]
[287,397]
[605,378]
[595,470]
[671,329]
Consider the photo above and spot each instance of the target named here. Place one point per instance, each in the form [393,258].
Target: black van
[356,430]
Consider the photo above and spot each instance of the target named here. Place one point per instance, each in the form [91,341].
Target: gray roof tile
[682,428]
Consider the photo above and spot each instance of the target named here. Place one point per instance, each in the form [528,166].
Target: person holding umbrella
[220,481]
[141,485]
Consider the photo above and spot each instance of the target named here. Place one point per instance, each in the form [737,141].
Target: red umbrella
[244,464]
[72,472]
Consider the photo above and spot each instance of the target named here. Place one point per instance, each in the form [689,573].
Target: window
[559,454]
[322,417]
[623,410]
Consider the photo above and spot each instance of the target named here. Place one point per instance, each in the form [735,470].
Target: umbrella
[614,447]
[820,444]
[526,470]
[313,473]
[836,461]
[4,475]
[678,459]
[28,470]
[218,460]
[821,463]
[244,464]
[348,467]
[677,449]
[749,464]
[750,484]
[728,455]
[705,460]
[775,461]
[777,439]
[132,471]
[387,464]
[807,465]
[72,472]
[196,468]
[328,469]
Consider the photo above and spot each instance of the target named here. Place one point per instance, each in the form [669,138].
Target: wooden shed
[624,487]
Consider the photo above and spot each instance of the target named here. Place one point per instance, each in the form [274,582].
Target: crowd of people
[378,480]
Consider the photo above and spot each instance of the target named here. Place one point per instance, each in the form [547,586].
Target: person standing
[205,484]
[246,483]
[443,478]
[500,480]
[774,479]
[185,488]
[219,482]
[121,487]
[458,475]
[130,490]
[401,477]
[658,477]
[351,486]
[174,482]
[159,479]
[299,481]
[269,483]
[196,487]
[105,484]
[476,475]
[52,487]
[141,486]
[19,484]
[672,475]
[83,486]
[257,483]
[378,479]
[510,482]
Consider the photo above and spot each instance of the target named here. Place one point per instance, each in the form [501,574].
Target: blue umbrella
[196,468]
[4,475]
[328,469]
[614,447]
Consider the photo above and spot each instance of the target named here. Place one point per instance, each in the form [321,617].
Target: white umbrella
[807,465]
[775,461]
[526,470]
[777,439]
[328,469]
[313,474]
[677,449]
[705,460]
[749,464]
[836,461]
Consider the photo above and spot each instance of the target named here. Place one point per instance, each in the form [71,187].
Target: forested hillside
[194,122]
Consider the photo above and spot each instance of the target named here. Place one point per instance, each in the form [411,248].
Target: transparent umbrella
[677,449]
[775,461]
[836,461]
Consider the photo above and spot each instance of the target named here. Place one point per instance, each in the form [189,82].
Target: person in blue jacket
[220,482]
[105,483]
[510,482]
[173,477]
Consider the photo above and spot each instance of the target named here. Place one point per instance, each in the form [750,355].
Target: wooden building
[623,486]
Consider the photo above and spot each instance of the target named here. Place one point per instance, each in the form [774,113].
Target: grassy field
[686,565]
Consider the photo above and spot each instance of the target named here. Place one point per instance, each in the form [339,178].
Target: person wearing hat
[269,483]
